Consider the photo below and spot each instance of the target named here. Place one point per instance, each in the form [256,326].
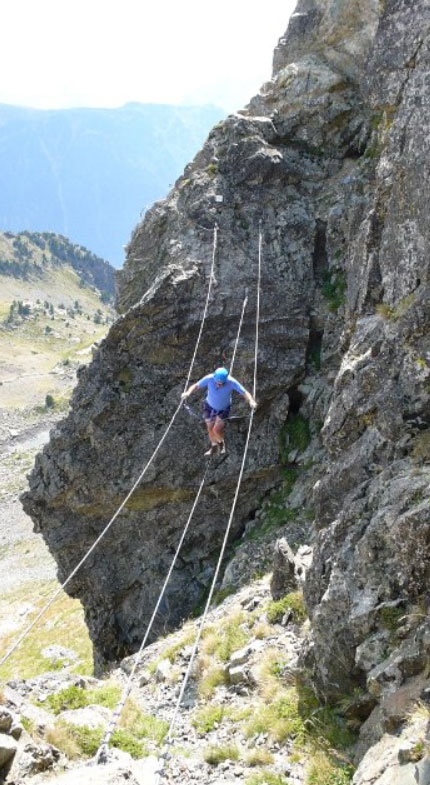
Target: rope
[102,751]
[139,479]
[169,736]
[245,302]
[189,408]
[257,315]
[101,755]
[211,280]
[202,418]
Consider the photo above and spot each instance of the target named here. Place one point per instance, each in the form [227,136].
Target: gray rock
[242,656]
[6,720]
[284,566]
[238,675]
[134,773]
[90,717]
[144,678]
[8,748]
[59,654]
[163,671]
[422,770]
[35,757]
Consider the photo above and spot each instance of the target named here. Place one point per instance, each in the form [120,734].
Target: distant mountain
[55,304]
[34,255]
[89,173]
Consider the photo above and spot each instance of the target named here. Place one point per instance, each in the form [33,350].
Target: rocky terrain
[331,160]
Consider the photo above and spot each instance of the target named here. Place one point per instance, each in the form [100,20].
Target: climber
[217,404]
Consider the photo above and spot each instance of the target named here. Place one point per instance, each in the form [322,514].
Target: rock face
[332,158]
[368,585]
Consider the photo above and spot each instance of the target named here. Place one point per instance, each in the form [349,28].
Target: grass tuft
[334,288]
[259,756]
[279,719]
[126,741]
[143,726]
[212,679]
[218,754]
[77,698]
[207,718]
[291,602]
[295,435]
[326,770]
[266,777]
[232,636]
[75,741]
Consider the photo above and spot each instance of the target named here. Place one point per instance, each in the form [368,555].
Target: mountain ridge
[88,173]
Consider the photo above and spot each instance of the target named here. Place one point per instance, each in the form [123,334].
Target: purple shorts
[212,414]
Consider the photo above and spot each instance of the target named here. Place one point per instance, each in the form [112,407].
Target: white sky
[59,53]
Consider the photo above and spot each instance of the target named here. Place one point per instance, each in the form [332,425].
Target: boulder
[284,569]
[91,716]
[6,720]
[121,769]
[163,671]
[8,747]
[35,757]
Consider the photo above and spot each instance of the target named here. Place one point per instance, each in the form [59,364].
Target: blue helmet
[221,375]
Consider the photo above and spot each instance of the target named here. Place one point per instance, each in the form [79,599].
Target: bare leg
[218,433]
[210,426]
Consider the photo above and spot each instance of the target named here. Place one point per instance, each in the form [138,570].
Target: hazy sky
[58,53]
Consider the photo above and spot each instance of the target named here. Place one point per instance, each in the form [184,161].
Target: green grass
[291,602]
[207,717]
[28,724]
[327,770]
[259,756]
[391,618]
[77,698]
[266,777]
[218,754]
[238,714]
[126,741]
[222,594]
[86,741]
[134,727]
[74,741]
[171,652]
[394,313]
[212,679]
[212,169]
[280,719]
[295,434]
[232,637]
[319,732]
[290,475]
[273,519]
[63,624]
[334,288]
[143,726]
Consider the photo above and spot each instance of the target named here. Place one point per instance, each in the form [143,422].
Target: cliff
[332,157]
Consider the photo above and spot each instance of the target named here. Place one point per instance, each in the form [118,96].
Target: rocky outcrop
[368,585]
[278,162]
[332,157]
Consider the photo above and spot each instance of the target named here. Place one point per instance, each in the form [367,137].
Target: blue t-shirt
[219,398]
